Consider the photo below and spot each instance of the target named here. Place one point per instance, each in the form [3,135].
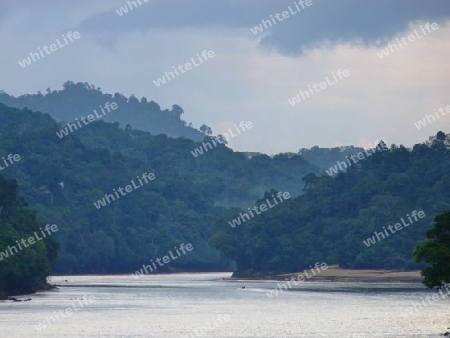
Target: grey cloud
[325,21]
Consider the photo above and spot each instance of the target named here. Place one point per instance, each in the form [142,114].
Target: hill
[365,218]
[63,179]
[81,99]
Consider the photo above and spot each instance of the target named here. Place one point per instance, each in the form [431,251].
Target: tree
[206,130]
[436,251]
[177,111]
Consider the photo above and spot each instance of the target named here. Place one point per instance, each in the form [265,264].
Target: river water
[207,305]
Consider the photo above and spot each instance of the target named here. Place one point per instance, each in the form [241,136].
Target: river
[209,305]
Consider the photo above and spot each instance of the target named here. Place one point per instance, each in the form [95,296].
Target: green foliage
[61,178]
[332,218]
[26,270]
[192,198]
[436,251]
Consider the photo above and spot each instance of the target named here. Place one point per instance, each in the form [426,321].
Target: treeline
[22,269]
[335,215]
[62,178]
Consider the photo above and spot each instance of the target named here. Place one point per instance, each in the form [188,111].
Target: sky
[251,77]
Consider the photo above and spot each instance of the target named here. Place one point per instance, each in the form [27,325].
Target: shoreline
[331,274]
[12,296]
[175,272]
[336,274]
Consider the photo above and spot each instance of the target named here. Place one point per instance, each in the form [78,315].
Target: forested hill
[190,198]
[332,219]
[61,178]
[80,99]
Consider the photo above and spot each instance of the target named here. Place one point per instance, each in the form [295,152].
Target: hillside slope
[333,221]
[63,178]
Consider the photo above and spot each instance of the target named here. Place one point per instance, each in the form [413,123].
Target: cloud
[326,21]
[351,21]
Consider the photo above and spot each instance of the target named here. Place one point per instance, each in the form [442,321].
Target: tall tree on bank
[436,251]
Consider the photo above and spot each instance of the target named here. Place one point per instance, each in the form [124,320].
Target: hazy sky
[251,76]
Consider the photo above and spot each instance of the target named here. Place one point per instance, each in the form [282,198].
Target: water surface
[181,305]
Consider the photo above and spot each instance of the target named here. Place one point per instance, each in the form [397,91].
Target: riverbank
[37,288]
[336,274]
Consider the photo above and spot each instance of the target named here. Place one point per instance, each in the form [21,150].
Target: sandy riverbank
[337,274]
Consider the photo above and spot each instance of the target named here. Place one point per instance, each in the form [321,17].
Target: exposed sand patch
[336,274]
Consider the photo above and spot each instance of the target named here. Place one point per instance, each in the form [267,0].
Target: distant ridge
[80,99]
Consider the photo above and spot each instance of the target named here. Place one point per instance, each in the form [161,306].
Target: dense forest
[193,199]
[22,270]
[62,178]
[330,221]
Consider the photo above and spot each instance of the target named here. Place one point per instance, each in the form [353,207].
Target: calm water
[177,305]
